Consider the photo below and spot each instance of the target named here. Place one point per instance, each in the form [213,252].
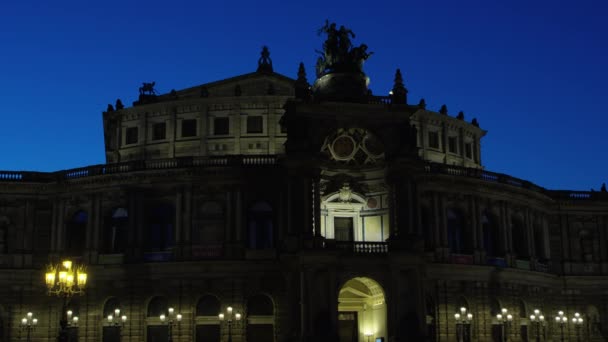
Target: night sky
[533,75]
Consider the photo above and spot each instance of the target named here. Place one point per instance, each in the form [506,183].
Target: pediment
[252,84]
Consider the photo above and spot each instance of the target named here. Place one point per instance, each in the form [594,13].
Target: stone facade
[312,219]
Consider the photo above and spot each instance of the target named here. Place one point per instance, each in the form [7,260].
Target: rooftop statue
[338,53]
[264,62]
[147,89]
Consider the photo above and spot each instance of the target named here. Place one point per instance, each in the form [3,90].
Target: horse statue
[147,89]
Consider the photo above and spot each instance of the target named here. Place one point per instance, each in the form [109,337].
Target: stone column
[186,250]
[437,236]
[179,212]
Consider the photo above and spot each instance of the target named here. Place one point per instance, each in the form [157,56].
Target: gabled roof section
[251,84]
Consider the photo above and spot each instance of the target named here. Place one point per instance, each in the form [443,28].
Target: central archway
[361,311]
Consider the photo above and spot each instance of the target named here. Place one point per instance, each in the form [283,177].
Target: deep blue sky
[534,73]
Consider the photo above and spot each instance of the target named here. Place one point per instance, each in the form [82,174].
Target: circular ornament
[343,147]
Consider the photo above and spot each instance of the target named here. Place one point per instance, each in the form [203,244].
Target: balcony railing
[138,165]
[359,247]
[270,160]
[506,179]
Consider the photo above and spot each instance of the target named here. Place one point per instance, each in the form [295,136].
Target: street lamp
[228,318]
[28,324]
[117,321]
[577,320]
[463,325]
[538,320]
[170,320]
[561,320]
[505,319]
[65,280]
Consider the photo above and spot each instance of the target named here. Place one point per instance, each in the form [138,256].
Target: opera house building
[262,208]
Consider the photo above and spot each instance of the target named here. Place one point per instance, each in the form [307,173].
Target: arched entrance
[361,311]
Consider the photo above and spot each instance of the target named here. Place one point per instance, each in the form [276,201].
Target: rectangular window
[452,145]
[159,131]
[221,126]
[433,140]
[255,124]
[131,135]
[468,150]
[343,228]
[188,128]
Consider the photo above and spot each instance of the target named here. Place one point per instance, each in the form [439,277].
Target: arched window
[157,306]
[491,235]
[76,233]
[465,329]
[427,229]
[456,233]
[111,333]
[539,242]
[520,239]
[208,228]
[260,319]
[116,230]
[208,306]
[207,323]
[523,312]
[523,315]
[495,308]
[462,303]
[160,236]
[155,330]
[260,226]
[4,222]
[586,245]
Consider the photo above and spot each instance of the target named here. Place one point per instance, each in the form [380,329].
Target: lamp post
[65,280]
[117,321]
[171,319]
[28,324]
[463,325]
[228,318]
[504,318]
[538,320]
[577,320]
[561,320]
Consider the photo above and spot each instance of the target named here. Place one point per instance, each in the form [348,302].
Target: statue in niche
[147,89]
[338,53]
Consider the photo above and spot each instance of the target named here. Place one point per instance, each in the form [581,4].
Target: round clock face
[343,147]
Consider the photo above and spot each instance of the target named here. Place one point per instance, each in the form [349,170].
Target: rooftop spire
[302,85]
[399,93]
[265,63]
